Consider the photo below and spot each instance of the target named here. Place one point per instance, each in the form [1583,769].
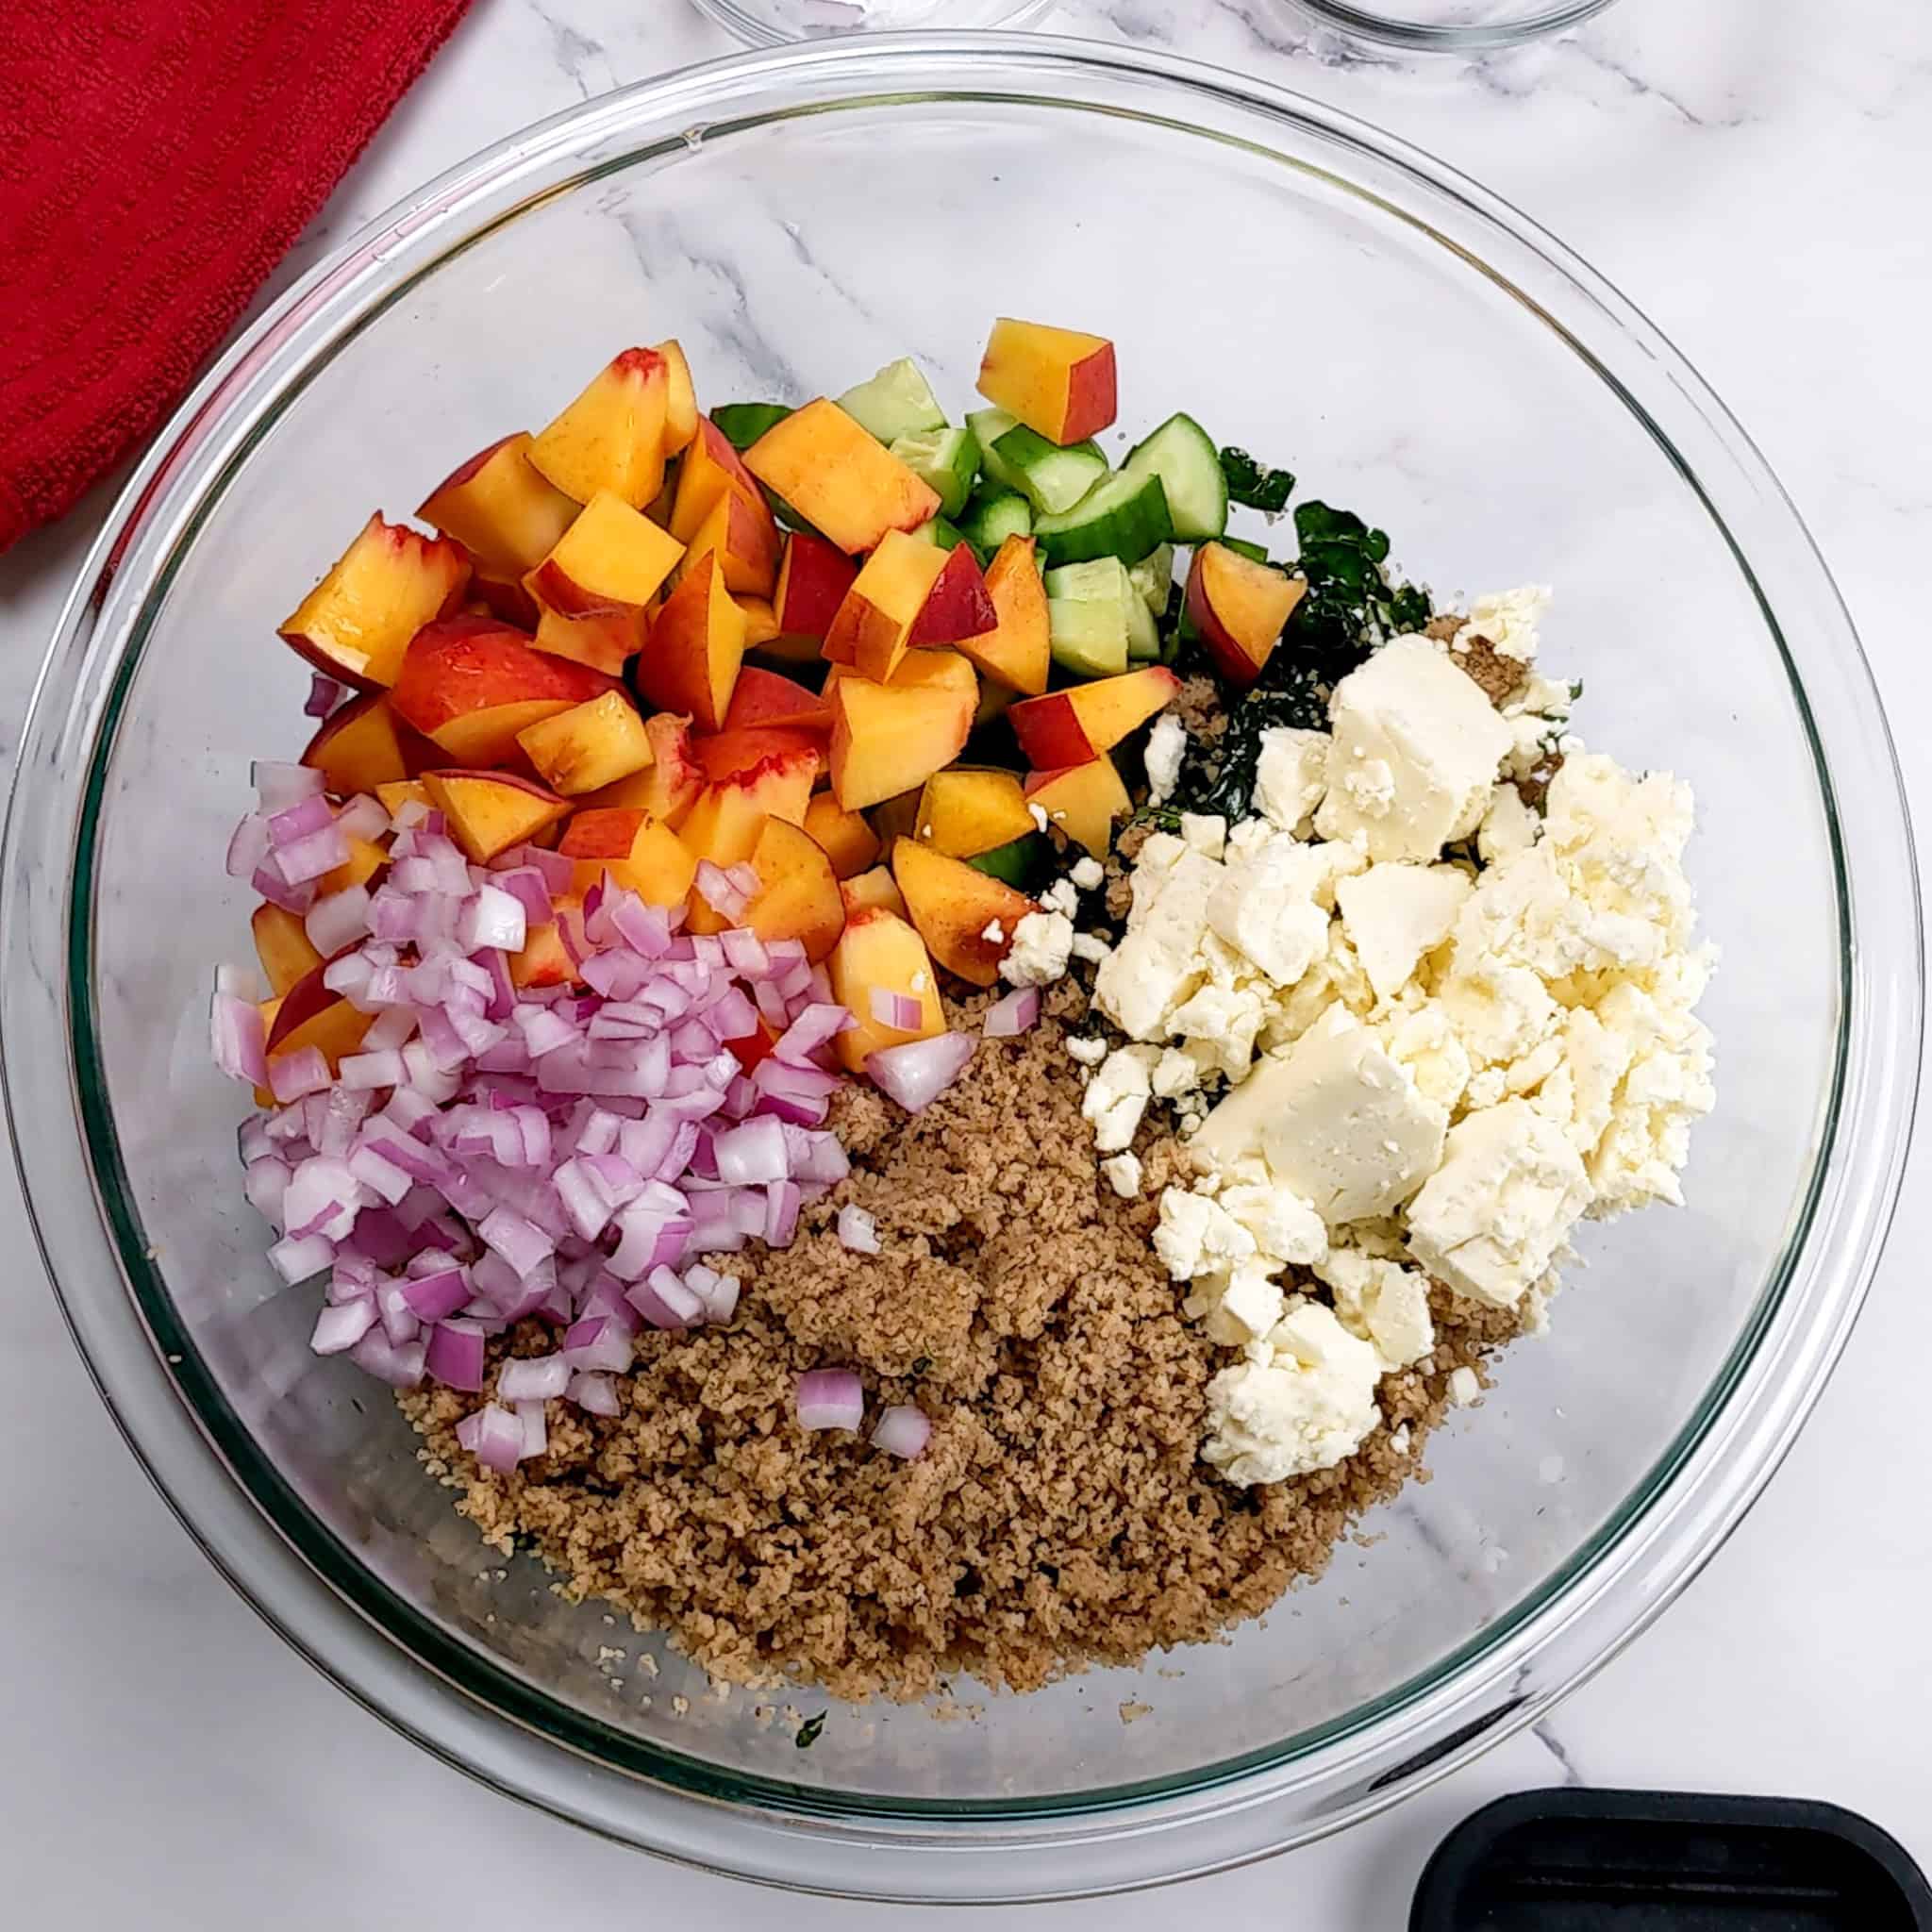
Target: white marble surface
[1751,172]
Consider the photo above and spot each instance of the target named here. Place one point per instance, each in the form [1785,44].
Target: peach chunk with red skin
[588,746]
[669,786]
[1018,650]
[966,917]
[613,558]
[798,896]
[696,646]
[613,435]
[813,578]
[389,583]
[843,481]
[1060,382]
[501,508]
[638,854]
[1082,801]
[872,631]
[363,745]
[1072,726]
[891,737]
[879,951]
[1238,607]
[488,813]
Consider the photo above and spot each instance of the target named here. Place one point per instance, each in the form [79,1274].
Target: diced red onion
[364,817]
[341,1327]
[595,1394]
[720,891]
[296,1259]
[337,921]
[434,1297]
[858,1230]
[752,1153]
[400,1367]
[902,1430]
[493,918]
[917,1072]
[280,786]
[536,1429]
[597,1343]
[239,1037]
[492,1434]
[1013,1014]
[897,1010]
[664,1301]
[308,856]
[829,1399]
[524,884]
[533,1379]
[366,1071]
[248,847]
[380,1176]
[324,694]
[781,1213]
[311,814]
[455,1356]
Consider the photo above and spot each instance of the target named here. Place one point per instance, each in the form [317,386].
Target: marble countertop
[1751,172]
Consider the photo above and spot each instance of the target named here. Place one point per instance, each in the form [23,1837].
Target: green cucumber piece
[1051,479]
[1183,456]
[1143,637]
[938,530]
[1088,616]
[992,515]
[946,460]
[896,401]
[745,422]
[1153,576]
[1018,861]
[1123,517]
[1255,553]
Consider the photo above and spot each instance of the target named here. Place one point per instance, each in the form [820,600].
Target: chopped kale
[809,1732]
[1255,484]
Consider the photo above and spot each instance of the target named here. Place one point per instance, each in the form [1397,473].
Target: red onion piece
[248,847]
[595,1394]
[752,1153]
[494,1435]
[324,694]
[455,1356]
[311,856]
[339,1328]
[814,1026]
[239,1037]
[267,880]
[1013,1014]
[337,921]
[533,1379]
[311,814]
[858,1230]
[902,1430]
[296,1258]
[364,817]
[720,891]
[433,1297]
[281,786]
[916,1074]
[899,1010]
[829,1399]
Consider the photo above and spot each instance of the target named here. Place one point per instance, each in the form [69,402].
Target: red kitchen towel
[157,157]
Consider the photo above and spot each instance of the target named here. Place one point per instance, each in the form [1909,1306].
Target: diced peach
[847,840]
[745,540]
[876,887]
[613,437]
[403,791]
[896,818]
[995,701]
[1239,608]
[501,592]
[891,737]
[966,809]
[725,823]
[958,606]
[613,558]
[966,917]
[760,623]
[281,943]
[364,745]
[471,684]
[501,508]
[798,896]
[313,1014]
[667,787]
[878,952]
[385,586]
[1019,651]
[871,629]
[813,578]
[1072,726]
[366,858]
[726,753]
[640,855]
[588,746]
[1082,801]
[710,469]
[696,646]
[1057,381]
[488,813]
[839,480]
[545,960]
[765,699]
[680,398]
[606,641]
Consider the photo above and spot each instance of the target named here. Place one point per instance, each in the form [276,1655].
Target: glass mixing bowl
[1307,286]
[1450,26]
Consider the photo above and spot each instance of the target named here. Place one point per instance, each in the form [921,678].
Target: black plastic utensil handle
[1568,1860]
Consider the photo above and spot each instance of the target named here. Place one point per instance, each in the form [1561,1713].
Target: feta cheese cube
[1394,913]
[1197,1236]
[1043,942]
[1381,1301]
[1507,621]
[1117,1096]
[1206,832]
[1301,1400]
[1290,775]
[1122,1174]
[1167,744]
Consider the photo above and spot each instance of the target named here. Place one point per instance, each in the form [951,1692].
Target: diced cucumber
[1088,617]
[1051,479]
[945,459]
[1018,861]
[1183,456]
[1255,553]
[896,401]
[745,422]
[1123,516]
[1153,576]
[938,530]
[992,515]
[1143,639]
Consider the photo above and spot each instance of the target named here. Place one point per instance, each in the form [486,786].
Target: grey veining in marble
[1751,172]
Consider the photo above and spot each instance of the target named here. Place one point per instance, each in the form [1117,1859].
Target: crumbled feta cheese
[1206,832]
[1382,1302]
[1336,1119]
[1088,874]
[1060,897]
[1197,1236]
[1290,775]
[1286,1228]
[1410,714]
[1158,964]
[1303,1399]
[1423,1039]
[1265,908]
[1239,1307]
[1491,1218]
[1041,944]
[1117,1096]
[1167,744]
[1219,1025]
[1038,812]
[1464,1387]
[1508,826]
[1090,1053]
[994,932]
[1394,913]
[1090,946]
[1507,621]
[1122,1174]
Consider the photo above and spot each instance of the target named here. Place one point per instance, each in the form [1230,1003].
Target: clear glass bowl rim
[1398,29]
[478,1716]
